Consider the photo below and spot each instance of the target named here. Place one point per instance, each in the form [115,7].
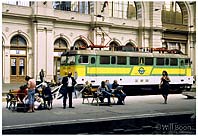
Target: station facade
[34,34]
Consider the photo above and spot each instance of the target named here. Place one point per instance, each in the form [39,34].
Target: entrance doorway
[17,69]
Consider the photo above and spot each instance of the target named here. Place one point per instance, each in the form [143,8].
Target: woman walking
[164,85]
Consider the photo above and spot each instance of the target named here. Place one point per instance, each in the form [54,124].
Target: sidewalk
[135,106]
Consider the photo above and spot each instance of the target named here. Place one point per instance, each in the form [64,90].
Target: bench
[12,100]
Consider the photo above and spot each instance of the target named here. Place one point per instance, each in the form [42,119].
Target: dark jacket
[65,81]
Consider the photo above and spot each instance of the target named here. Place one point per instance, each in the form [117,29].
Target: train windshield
[68,60]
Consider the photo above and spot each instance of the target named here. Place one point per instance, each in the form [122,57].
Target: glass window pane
[148,61]
[13,66]
[83,59]
[173,62]
[113,60]
[104,59]
[121,60]
[160,61]
[134,60]
[93,60]
[22,66]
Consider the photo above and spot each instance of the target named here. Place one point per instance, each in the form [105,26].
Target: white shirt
[69,82]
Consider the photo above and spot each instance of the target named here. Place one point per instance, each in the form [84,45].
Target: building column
[6,64]
[156,24]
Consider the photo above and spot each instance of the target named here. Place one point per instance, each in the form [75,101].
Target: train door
[92,69]
[181,67]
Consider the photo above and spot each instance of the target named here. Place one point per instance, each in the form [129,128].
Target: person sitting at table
[118,92]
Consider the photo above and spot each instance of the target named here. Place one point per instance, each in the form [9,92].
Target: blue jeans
[31,93]
[107,95]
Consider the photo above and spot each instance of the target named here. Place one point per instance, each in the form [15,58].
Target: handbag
[62,90]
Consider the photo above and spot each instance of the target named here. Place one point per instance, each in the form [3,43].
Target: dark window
[148,61]
[133,60]
[187,62]
[167,61]
[182,63]
[83,59]
[93,60]
[104,59]
[160,61]
[113,60]
[121,60]
[173,62]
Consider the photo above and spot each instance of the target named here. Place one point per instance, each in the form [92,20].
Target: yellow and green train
[140,70]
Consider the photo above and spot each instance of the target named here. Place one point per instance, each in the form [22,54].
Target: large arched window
[123,9]
[60,43]
[18,41]
[80,45]
[85,7]
[129,47]
[172,13]
[114,47]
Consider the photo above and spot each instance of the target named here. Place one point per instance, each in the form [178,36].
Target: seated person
[109,86]
[118,92]
[47,95]
[86,88]
[22,95]
[38,103]
[103,92]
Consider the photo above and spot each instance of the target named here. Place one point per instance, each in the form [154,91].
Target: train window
[148,61]
[83,59]
[173,62]
[141,61]
[113,60]
[104,59]
[167,61]
[133,60]
[63,59]
[121,60]
[160,61]
[93,60]
[187,62]
[71,60]
[182,63]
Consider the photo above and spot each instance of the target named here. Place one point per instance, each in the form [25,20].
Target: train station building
[35,34]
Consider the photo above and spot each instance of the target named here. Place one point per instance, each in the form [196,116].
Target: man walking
[68,83]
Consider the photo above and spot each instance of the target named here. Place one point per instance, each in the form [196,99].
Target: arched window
[18,41]
[80,45]
[123,9]
[114,47]
[129,47]
[85,7]
[60,43]
[172,13]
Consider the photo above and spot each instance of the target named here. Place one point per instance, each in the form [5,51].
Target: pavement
[135,107]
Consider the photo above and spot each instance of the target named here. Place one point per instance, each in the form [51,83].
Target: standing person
[164,85]
[68,83]
[41,74]
[31,84]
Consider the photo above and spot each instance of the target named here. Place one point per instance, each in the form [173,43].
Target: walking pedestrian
[164,85]
[68,83]
[31,84]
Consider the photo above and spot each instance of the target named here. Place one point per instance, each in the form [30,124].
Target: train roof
[121,53]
